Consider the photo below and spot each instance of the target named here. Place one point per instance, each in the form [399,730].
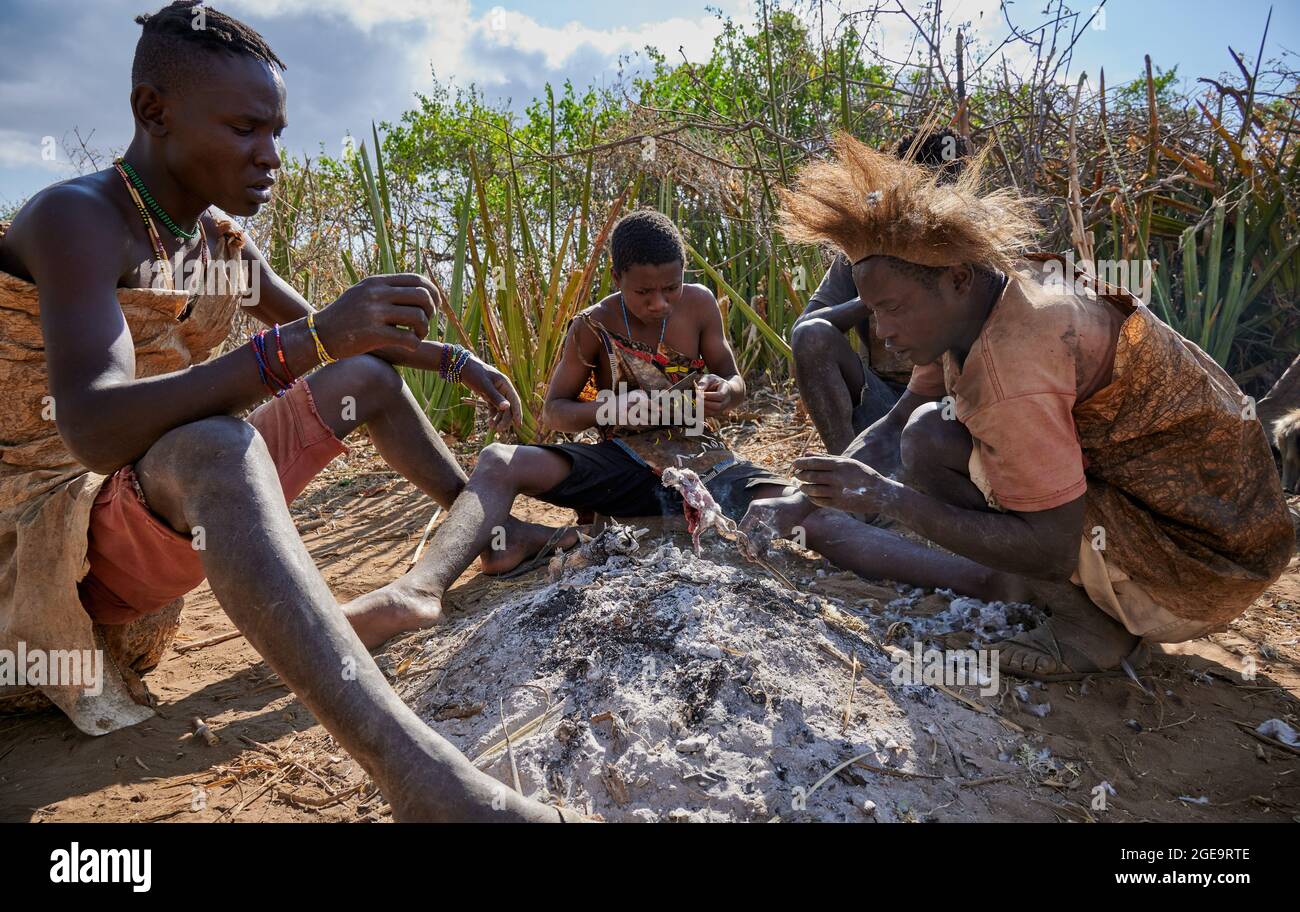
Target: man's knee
[353,391]
[931,444]
[812,339]
[372,375]
[218,439]
[494,463]
[204,455]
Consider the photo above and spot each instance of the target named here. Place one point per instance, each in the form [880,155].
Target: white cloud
[365,14]
[557,45]
[500,47]
[21,149]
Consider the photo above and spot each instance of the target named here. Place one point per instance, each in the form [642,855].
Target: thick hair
[1286,437]
[645,236]
[943,149]
[869,203]
[169,54]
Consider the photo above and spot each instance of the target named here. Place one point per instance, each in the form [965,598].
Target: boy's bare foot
[522,542]
[1078,639]
[399,607]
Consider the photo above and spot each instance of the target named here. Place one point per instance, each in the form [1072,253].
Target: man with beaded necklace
[125,480]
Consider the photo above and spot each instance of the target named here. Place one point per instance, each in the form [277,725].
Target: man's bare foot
[1078,639]
[399,607]
[771,518]
[520,542]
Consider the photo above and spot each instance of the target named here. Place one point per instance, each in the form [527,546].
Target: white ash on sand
[676,688]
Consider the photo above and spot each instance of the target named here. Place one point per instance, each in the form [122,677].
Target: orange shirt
[1044,347]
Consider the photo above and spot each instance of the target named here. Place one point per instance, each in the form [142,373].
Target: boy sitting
[654,334]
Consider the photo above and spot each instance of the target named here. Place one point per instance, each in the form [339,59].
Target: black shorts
[877,399]
[607,478]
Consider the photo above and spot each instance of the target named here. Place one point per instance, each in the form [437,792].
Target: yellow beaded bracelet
[321,353]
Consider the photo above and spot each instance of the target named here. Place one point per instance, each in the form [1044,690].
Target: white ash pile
[672,687]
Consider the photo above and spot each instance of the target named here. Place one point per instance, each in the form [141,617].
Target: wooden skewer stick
[425,537]
[210,641]
[510,748]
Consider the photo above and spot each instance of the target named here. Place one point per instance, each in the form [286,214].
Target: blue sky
[66,63]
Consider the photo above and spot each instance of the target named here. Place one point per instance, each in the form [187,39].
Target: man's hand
[381,311]
[769,518]
[843,483]
[718,395]
[494,388]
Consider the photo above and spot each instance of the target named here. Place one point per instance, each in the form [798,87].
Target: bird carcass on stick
[701,510]
[703,513]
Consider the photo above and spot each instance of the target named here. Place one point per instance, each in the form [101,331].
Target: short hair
[944,150]
[165,55]
[645,236]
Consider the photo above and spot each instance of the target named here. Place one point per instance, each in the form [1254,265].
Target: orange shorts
[139,563]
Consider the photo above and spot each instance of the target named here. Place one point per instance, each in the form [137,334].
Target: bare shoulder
[77,214]
[71,202]
[581,333]
[605,312]
[699,301]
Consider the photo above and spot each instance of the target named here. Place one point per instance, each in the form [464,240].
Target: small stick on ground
[210,641]
[510,750]
[270,784]
[425,537]
[987,780]
[319,803]
[201,731]
[956,754]
[853,689]
[896,773]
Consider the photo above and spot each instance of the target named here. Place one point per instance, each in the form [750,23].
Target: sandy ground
[1174,748]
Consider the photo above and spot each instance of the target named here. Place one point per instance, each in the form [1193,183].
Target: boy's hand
[494,388]
[376,312]
[843,483]
[635,405]
[718,395]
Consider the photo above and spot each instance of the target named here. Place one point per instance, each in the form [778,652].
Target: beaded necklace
[159,212]
[659,356]
[159,252]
